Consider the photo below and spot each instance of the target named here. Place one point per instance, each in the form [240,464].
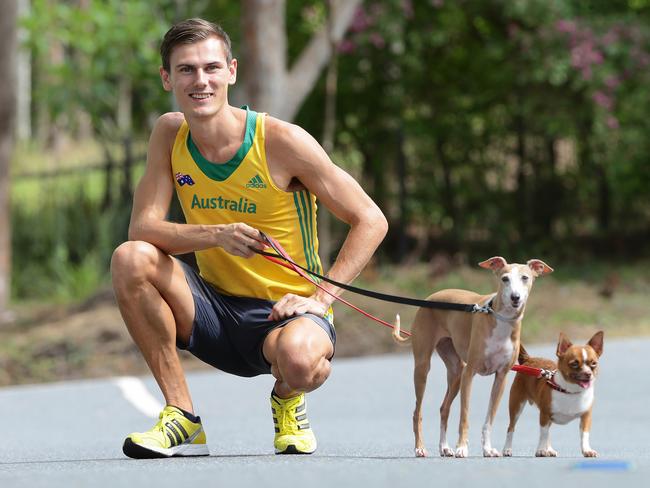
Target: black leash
[415,302]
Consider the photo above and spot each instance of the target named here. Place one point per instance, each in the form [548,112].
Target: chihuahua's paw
[507,452]
[446,451]
[491,452]
[461,452]
[421,452]
[589,453]
[549,452]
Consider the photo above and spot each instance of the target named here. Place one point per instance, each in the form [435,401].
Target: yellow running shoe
[292,432]
[173,435]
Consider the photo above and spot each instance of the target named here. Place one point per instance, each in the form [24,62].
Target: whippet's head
[515,280]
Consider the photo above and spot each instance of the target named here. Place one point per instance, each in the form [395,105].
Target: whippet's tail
[523,354]
[396,331]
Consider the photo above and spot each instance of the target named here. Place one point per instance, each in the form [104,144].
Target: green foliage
[82,55]
[62,246]
[521,123]
[480,127]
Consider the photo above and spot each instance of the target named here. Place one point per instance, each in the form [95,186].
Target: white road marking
[136,393]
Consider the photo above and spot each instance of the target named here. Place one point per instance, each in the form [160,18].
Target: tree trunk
[329,134]
[604,199]
[402,244]
[109,168]
[265,53]
[268,85]
[8,45]
[448,200]
[24,82]
[521,193]
[124,113]
[127,169]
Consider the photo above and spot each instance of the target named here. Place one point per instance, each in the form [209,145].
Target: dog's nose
[515,297]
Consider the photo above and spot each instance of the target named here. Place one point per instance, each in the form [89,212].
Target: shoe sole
[291,449]
[136,451]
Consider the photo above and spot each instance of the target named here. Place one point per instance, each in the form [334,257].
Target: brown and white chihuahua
[567,395]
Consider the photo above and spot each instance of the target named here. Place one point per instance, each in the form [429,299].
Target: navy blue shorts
[228,332]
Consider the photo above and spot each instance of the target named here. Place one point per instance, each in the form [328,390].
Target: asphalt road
[70,434]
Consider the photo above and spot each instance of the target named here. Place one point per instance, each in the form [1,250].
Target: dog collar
[551,382]
[487,308]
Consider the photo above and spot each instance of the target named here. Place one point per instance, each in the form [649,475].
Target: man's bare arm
[153,196]
[302,158]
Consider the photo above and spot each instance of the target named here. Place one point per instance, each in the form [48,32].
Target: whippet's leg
[422,352]
[516,405]
[454,365]
[495,398]
[462,448]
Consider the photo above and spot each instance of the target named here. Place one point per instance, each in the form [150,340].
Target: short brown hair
[190,31]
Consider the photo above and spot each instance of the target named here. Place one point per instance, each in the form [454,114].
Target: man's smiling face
[199,76]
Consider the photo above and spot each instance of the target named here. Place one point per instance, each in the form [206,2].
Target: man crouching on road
[236,173]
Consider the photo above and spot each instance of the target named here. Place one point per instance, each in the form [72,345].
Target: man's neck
[217,132]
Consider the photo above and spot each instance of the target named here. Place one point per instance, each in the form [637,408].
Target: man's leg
[157,306]
[298,353]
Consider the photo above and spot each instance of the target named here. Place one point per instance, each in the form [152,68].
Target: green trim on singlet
[221,171]
[303,203]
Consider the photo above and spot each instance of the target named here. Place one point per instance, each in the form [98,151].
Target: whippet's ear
[495,263]
[563,344]
[539,267]
[596,342]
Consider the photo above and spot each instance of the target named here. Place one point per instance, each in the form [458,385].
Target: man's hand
[290,305]
[240,239]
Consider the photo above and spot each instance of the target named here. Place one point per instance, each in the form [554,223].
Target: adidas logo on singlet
[256,182]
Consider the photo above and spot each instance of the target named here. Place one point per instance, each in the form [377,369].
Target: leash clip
[546,374]
[481,309]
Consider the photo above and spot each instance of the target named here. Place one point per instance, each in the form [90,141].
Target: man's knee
[302,376]
[133,262]
[302,366]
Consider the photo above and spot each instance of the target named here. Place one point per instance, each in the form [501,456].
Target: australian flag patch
[184,179]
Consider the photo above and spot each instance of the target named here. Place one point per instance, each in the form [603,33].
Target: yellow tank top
[242,190]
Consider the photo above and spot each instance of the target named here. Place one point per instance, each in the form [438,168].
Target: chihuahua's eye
[593,365]
[574,364]
[524,278]
[505,279]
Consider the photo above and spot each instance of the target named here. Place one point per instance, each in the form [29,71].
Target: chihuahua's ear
[539,267]
[596,342]
[563,344]
[495,263]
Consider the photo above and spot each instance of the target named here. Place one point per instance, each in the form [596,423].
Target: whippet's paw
[549,452]
[589,453]
[461,452]
[507,452]
[446,451]
[421,452]
[491,452]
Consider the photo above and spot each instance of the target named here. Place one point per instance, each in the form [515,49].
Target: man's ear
[164,76]
[233,72]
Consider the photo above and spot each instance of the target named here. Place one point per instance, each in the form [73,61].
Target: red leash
[275,245]
[530,371]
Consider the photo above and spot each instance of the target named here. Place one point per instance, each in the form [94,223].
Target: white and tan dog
[471,343]
[565,397]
